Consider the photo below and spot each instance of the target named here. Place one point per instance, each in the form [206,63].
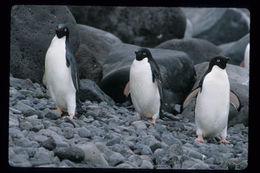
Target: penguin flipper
[234,100]
[157,76]
[71,62]
[127,89]
[192,94]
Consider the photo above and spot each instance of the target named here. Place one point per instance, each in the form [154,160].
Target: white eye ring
[218,60]
[144,53]
[65,29]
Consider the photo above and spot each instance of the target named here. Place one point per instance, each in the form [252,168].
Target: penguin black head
[62,30]
[219,61]
[142,53]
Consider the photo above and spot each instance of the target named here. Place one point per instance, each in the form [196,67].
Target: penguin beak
[227,59]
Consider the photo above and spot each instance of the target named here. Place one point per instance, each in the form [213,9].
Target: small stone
[84,133]
[51,115]
[41,157]
[114,141]
[146,165]
[93,156]
[15,111]
[25,125]
[125,165]
[75,154]
[136,160]
[139,125]
[13,121]
[115,158]
[49,144]
[68,133]
[146,150]
[25,109]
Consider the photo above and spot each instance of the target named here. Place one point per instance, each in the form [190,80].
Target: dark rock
[75,154]
[29,24]
[114,141]
[89,90]
[68,133]
[115,158]
[93,157]
[84,133]
[142,29]
[215,24]
[20,159]
[41,157]
[51,115]
[199,50]
[25,125]
[25,109]
[173,65]
[235,50]
[49,144]
[95,45]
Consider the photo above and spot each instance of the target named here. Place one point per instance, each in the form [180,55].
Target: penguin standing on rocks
[213,100]
[145,85]
[61,73]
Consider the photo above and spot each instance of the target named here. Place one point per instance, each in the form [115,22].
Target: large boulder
[32,29]
[239,83]
[199,50]
[235,50]
[144,26]
[218,25]
[178,74]
[95,45]
[89,90]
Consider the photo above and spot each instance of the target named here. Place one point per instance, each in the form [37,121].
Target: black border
[4,92]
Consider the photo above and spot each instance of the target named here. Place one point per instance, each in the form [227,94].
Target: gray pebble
[84,133]
[75,154]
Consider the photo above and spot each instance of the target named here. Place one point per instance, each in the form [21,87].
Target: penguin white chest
[144,92]
[212,104]
[58,75]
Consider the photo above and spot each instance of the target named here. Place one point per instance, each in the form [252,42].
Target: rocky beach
[105,132]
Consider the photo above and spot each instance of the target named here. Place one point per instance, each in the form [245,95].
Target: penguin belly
[144,92]
[58,76]
[212,105]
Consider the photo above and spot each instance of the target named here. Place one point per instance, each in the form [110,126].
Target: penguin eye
[144,53]
[218,60]
[65,29]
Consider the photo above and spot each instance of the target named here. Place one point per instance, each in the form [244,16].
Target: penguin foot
[139,117]
[199,139]
[152,121]
[223,140]
[69,116]
[58,110]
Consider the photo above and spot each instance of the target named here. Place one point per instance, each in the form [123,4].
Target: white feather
[212,105]
[144,93]
[58,76]
[246,56]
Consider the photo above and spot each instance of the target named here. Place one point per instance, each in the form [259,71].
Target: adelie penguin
[145,85]
[61,73]
[213,101]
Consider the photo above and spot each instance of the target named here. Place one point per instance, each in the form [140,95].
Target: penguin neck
[218,72]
